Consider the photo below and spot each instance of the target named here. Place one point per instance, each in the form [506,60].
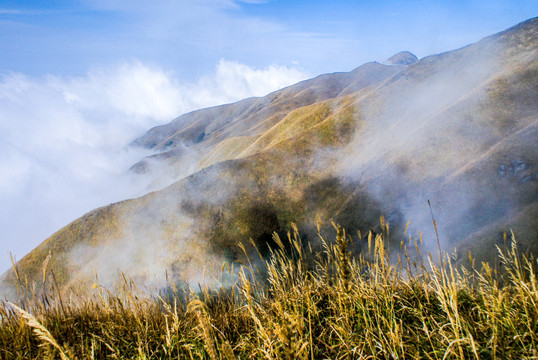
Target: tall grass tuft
[305,305]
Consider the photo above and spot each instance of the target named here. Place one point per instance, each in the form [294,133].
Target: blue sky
[190,37]
[81,79]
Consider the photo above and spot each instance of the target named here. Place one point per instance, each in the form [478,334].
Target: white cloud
[233,81]
[64,139]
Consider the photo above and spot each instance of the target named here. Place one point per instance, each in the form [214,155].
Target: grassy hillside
[458,129]
[186,144]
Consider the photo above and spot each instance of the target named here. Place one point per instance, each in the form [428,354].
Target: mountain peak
[402,58]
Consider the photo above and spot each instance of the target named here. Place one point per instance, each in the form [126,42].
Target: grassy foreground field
[298,304]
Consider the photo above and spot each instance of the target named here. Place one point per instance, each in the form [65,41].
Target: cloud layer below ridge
[64,139]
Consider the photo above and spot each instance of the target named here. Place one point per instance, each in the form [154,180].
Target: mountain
[403,58]
[458,129]
[204,137]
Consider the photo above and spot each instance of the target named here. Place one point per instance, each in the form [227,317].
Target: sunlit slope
[213,134]
[256,115]
[458,129]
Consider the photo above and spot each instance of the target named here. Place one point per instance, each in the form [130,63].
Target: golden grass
[299,304]
[227,149]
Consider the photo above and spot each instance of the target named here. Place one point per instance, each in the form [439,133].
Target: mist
[65,139]
[435,133]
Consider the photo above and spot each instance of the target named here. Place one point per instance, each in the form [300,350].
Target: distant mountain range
[459,129]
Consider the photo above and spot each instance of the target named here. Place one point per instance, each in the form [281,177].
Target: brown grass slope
[254,116]
[458,128]
[199,135]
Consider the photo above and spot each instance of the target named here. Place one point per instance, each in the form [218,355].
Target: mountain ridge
[343,147]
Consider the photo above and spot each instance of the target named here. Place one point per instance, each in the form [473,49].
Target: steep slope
[458,128]
[448,129]
[208,134]
[255,115]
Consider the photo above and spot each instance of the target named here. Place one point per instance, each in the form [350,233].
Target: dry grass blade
[45,267]
[41,331]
